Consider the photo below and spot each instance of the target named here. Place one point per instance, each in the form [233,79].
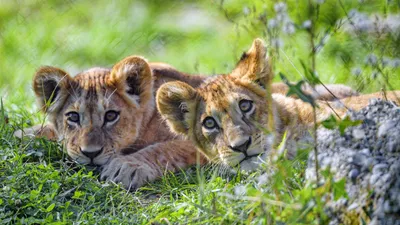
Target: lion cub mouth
[257,153]
[247,157]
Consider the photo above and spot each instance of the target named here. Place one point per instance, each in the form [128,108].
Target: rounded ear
[133,78]
[254,65]
[51,85]
[176,102]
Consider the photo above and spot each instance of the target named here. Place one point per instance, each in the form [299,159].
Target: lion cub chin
[236,120]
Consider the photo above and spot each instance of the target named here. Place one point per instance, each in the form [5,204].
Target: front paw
[129,171]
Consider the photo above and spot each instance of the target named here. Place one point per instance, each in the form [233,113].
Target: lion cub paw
[131,172]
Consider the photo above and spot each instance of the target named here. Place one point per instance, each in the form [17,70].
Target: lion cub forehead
[92,78]
[216,88]
[220,94]
[90,89]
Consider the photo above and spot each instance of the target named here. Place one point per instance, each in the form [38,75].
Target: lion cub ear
[51,85]
[176,102]
[254,66]
[133,78]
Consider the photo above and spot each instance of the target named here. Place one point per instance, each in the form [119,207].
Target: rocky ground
[368,157]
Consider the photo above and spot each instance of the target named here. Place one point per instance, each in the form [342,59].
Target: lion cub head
[225,116]
[98,111]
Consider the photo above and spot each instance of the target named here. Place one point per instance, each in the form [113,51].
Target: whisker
[112,93]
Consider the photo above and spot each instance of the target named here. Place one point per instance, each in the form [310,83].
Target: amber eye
[111,116]
[209,123]
[73,117]
[245,105]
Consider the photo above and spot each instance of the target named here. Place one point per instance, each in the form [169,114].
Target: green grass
[38,185]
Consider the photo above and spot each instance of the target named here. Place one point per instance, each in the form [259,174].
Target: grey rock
[358,134]
[368,157]
[354,174]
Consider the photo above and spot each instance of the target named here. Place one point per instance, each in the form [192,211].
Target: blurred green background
[204,37]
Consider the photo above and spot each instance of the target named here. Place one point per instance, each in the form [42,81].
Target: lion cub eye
[209,123]
[245,105]
[111,116]
[72,117]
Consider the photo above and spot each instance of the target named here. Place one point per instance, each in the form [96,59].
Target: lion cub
[228,115]
[107,117]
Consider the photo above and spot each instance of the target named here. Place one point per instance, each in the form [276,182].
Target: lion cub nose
[241,146]
[91,152]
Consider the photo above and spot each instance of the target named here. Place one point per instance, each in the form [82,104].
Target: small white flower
[246,10]
[374,75]
[371,60]
[263,179]
[393,22]
[385,62]
[352,13]
[288,28]
[356,71]
[320,1]
[282,17]
[362,22]
[307,24]
[277,43]
[395,63]
[240,190]
[280,7]
[272,23]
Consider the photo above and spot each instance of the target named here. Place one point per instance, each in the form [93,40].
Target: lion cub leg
[40,131]
[136,169]
[329,92]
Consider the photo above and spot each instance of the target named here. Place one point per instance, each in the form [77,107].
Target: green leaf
[347,122]
[330,123]
[34,194]
[297,91]
[339,189]
[325,173]
[51,207]
[78,194]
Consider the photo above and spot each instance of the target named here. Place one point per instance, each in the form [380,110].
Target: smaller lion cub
[226,117]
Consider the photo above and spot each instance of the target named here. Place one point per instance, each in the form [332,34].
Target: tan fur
[138,146]
[240,137]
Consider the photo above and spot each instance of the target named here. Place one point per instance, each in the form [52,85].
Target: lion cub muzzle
[241,145]
[91,152]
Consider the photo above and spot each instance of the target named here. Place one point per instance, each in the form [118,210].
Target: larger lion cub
[228,115]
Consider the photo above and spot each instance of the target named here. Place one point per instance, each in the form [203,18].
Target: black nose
[243,147]
[91,153]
